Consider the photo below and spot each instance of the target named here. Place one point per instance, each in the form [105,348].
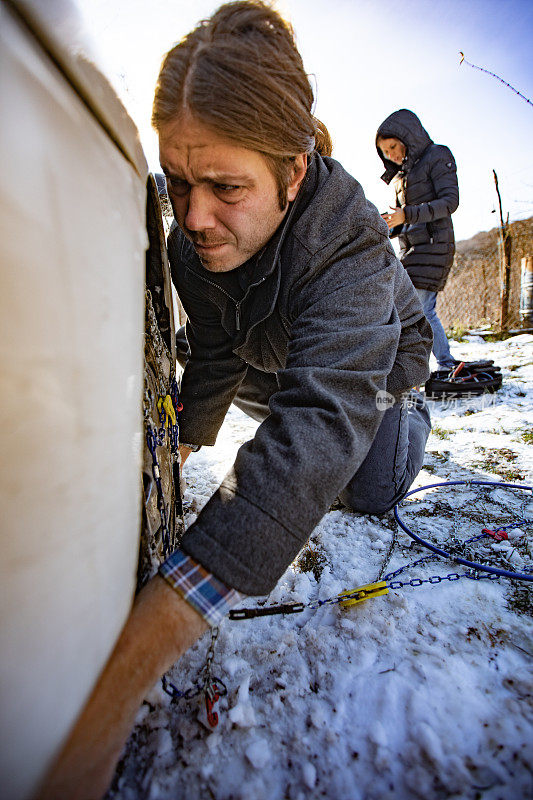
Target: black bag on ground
[467,379]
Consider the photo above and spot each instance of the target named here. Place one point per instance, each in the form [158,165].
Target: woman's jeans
[441,347]
[395,456]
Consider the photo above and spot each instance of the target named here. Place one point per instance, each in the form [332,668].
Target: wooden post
[505,262]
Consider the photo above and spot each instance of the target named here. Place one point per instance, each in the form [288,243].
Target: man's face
[224,196]
[393,149]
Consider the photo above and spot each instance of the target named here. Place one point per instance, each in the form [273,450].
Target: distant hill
[476,243]
[483,241]
[472,294]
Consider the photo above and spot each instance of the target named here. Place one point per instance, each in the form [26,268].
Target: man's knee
[393,461]
[371,505]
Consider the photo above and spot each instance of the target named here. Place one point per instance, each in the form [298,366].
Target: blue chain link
[153,440]
[198,689]
[156,438]
[412,564]
[425,559]
[451,576]
[515,524]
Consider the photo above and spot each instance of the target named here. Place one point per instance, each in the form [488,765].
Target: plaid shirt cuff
[209,596]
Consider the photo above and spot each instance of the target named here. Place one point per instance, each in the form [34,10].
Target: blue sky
[368,59]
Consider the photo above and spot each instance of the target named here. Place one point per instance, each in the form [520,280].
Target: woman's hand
[395,216]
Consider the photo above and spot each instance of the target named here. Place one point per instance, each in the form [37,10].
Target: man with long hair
[299,311]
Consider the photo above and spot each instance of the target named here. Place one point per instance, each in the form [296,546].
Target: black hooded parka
[426,188]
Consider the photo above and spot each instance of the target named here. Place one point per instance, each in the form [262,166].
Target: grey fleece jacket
[426,188]
[333,313]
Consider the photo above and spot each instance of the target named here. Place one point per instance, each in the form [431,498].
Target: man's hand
[395,216]
[160,628]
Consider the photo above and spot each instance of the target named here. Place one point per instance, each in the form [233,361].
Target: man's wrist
[175,624]
[209,596]
[192,447]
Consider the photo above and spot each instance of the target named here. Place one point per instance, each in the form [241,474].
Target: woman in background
[427,194]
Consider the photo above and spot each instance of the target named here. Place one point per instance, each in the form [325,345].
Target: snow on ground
[423,693]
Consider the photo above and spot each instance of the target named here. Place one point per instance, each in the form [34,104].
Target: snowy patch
[422,693]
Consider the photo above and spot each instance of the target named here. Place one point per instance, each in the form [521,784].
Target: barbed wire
[493,74]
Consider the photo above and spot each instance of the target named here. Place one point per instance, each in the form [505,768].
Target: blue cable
[519,576]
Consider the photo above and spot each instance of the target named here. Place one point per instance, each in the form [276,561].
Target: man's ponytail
[323,142]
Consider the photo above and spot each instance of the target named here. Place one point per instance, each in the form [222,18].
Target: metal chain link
[152,440]
[472,575]
[485,503]
[422,560]
[148,399]
[208,666]
[157,438]
[156,338]
[332,601]
[389,552]
[208,684]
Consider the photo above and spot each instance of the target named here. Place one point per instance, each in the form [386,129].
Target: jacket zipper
[236,302]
